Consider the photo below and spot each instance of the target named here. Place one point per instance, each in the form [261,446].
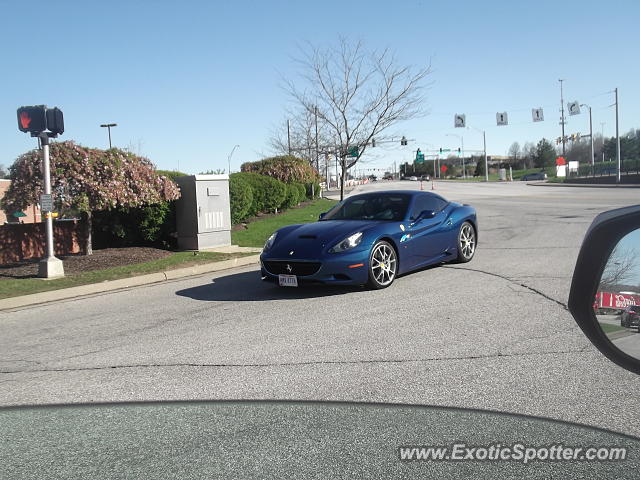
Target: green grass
[257,232]
[610,328]
[26,286]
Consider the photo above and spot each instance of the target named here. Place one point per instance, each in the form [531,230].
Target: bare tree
[528,154]
[358,95]
[621,267]
[514,152]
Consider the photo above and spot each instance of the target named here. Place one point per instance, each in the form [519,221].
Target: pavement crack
[524,285]
[296,364]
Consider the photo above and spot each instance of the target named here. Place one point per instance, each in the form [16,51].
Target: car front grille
[291,268]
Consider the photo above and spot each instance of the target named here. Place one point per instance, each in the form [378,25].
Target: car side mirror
[425,214]
[322,215]
[606,286]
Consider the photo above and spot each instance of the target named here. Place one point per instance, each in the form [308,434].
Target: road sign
[574,108]
[445,150]
[537,114]
[460,120]
[46,202]
[353,152]
[501,118]
[419,157]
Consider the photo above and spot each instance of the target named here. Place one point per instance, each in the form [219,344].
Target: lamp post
[108,127]
[484,149]
[464,172]
[590,135]
[230,155]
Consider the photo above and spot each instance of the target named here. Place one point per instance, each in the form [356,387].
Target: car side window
[427,202]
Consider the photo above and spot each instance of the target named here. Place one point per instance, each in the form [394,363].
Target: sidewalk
[124,283]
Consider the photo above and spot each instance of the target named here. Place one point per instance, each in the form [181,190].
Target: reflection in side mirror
[617,302]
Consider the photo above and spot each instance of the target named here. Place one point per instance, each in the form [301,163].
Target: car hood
[310,239]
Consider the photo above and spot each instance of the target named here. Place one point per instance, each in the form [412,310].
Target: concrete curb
[585,185]
[123,283]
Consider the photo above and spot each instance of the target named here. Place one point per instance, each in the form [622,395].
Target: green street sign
[352,152]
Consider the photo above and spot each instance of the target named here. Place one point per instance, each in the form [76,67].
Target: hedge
[240,197]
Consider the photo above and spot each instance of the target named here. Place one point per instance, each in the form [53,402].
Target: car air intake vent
[308,237]
[291,268]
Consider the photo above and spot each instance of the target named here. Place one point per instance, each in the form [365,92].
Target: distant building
[32,212]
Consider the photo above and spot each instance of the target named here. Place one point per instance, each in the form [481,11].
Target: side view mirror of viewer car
[322,215]
[605,290]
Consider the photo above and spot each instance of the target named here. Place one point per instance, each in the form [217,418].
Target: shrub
[145,226]
[291,199]
[286,168]
[269,194]
[302,192]
[240,197]
[312,192]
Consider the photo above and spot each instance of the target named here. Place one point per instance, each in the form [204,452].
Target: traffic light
[55,121]
[32,119]
[39,118]
[403,141]
[458,149]
[440,149]
[373,142]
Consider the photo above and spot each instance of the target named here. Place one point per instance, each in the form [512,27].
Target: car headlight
[349,242]
[269,242]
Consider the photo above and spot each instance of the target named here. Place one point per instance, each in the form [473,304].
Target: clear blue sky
[186,81]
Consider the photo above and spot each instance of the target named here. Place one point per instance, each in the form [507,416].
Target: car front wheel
[383,265]
[466,243]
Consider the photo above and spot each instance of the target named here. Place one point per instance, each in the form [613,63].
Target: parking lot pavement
[494,333]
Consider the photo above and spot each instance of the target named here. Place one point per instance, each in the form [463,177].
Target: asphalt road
[492,334]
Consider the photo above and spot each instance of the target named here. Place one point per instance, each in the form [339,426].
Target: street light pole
[108,127]
[229,157]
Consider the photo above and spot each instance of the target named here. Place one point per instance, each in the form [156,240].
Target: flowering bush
[87,180]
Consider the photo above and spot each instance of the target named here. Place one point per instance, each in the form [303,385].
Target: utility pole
[562,121]
[617,139]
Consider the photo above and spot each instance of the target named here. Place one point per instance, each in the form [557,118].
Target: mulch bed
[101,259]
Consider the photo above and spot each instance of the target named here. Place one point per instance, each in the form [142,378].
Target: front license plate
[288,280]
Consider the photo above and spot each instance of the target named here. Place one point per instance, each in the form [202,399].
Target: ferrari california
[370,239]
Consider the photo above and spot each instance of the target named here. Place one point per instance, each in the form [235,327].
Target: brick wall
[26,240]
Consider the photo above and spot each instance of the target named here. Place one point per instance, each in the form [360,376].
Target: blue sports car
[370,239]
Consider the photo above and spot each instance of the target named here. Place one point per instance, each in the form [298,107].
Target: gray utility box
[203,215]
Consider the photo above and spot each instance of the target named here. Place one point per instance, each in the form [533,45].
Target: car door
[426,240]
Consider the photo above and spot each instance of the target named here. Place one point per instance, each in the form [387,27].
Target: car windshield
[391,207]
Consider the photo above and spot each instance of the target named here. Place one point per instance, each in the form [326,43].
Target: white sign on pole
[460,120]
[574,108]
[501,118]
[46,202]
[537,114]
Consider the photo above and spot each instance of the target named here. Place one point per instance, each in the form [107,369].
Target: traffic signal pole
[50,266]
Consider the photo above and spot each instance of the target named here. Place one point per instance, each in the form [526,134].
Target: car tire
[467,242]
[383,265]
